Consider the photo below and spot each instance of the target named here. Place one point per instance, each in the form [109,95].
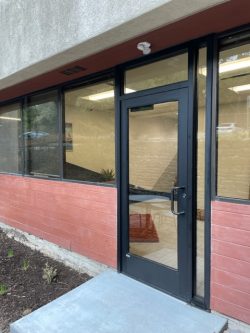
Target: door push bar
[174,192]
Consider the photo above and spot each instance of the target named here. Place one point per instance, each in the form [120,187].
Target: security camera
[144,47]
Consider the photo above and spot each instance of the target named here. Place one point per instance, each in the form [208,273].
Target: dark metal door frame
[167,279]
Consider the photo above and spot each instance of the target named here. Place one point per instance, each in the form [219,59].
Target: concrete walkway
[114,303]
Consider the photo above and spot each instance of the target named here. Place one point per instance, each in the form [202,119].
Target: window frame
[9,103]
[151,59]
[75,86]
[60,89]
[228,40]
[25,107]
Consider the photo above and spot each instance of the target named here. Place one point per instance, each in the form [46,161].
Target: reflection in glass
[41,135]
[200,217]
[153,142]
[10,129]
[233,130]
[89,143]
[159,73]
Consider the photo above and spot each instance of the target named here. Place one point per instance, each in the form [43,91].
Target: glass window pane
[41,135]
[10,129]
[159,73]
[90,133]
[233,129]
[153,147]
[200,214]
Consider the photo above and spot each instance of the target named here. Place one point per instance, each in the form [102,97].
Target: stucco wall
[38,36]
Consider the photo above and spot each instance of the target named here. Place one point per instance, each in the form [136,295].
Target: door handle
[174,191]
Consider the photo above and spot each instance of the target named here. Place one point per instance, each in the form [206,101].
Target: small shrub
[25,264]
[3,289]
[10,253]
[108,174]
[49,273]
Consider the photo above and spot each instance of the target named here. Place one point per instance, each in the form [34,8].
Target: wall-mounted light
[144,47]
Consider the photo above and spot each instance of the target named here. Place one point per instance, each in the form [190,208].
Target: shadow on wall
[78,173]
[168,178]
[72,171]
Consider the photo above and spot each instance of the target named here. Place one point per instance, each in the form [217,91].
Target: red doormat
[142,228]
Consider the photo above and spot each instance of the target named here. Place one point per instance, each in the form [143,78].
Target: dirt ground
[23,287]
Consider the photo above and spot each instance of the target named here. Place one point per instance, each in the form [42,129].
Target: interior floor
[163,249]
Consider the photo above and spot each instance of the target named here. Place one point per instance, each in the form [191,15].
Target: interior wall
[233,178]
[153,150]
[233,151]
[93,135]
[153,162]
[233,157]
[153,140]
[153,153]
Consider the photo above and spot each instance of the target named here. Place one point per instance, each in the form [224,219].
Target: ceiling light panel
[239,89]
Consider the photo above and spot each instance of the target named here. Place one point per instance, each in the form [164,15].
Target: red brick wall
[230,275]
[78,217]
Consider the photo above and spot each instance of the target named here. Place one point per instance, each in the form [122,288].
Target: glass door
[155,190]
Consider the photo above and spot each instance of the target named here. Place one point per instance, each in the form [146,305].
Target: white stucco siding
[38,36]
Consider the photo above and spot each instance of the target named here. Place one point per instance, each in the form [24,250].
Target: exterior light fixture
[144,47]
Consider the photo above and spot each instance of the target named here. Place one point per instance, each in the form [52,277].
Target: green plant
[25,264]
[3,289]
[10,253]
[108,174]
[49,273]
